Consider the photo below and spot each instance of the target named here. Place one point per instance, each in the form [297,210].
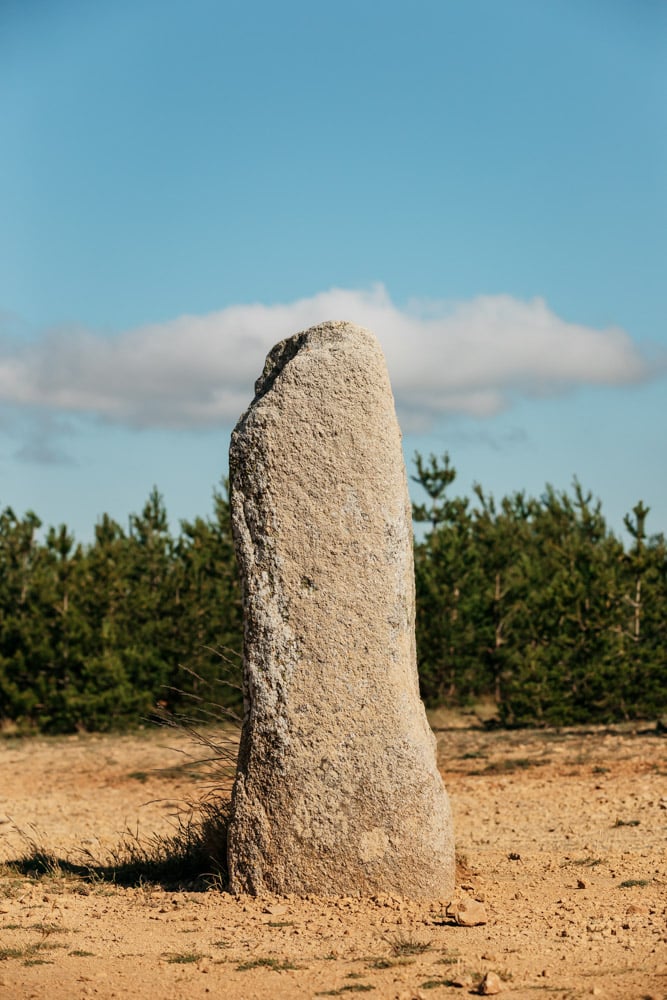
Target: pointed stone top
[328,335]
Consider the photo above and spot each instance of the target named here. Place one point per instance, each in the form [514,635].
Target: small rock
[470,913]
[490,956]
[275,909]
[490,985]
[463,981]
[581,884]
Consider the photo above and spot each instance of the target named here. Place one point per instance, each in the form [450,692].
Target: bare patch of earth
[561,834]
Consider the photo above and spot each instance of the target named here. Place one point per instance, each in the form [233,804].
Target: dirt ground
[561,835]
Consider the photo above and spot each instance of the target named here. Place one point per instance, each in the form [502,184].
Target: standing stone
[337,790]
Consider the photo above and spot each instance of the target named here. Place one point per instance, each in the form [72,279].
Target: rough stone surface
[470,913]
[490,985]
[337,790]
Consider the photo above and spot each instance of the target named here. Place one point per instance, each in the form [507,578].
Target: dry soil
[562,835]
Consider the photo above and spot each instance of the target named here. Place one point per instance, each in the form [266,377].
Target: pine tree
[642,632]
[211,615]
[446,579]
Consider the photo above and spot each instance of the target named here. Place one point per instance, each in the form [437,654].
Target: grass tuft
[351,988]
[6,953]
[508,765]
[28,951]
[449,958]
[401,946]
[267,963]
[584,862]
[192,858]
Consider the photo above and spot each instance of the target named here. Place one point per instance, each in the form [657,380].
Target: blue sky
[483,184]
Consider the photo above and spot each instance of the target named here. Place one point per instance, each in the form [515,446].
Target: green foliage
[536,603]
[530,601]
[94,638]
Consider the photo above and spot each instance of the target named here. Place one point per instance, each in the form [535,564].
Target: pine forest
[529,603]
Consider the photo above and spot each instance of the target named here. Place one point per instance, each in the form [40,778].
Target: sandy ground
[561,835]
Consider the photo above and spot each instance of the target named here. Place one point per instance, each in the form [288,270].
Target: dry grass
[194,856]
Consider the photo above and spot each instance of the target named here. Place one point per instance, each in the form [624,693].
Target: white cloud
[469,357]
